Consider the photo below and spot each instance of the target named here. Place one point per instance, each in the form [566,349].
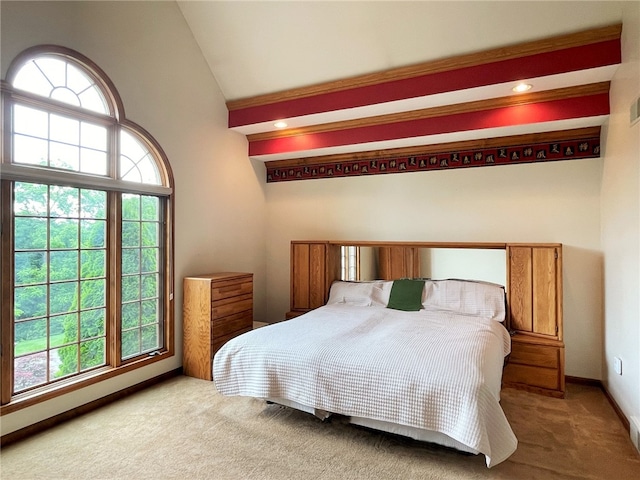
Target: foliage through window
[86,214]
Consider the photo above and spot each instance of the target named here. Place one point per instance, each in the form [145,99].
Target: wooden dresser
[216,308]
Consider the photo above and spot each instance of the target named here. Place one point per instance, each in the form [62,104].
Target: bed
[421,359]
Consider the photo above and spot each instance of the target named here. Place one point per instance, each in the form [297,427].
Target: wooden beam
[587,37]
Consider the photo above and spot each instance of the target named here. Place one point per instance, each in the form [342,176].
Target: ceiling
[362,78]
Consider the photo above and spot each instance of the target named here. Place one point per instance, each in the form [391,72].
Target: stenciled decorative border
[511,155]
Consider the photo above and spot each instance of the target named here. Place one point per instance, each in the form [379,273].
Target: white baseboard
[635,431]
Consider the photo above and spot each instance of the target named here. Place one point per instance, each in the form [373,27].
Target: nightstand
[536,364]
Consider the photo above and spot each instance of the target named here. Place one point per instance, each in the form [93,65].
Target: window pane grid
[60,80]
[59,287]
[136,162]
[141,278]
[51,140]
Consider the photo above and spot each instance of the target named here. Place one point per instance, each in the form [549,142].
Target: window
[350,263]
[87,276]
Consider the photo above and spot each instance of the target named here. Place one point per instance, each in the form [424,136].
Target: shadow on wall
[583,311]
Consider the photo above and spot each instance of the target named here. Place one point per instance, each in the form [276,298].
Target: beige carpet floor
[183,429]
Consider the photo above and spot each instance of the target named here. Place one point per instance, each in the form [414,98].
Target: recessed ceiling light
[522,87]
[280,124]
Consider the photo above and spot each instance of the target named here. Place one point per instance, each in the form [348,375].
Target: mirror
[365,263]
[466,263]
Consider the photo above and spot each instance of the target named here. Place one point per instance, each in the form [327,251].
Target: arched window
[87,276]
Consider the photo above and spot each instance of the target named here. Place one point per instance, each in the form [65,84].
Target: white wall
[552,202]
[485,265]
[150,55]
[621,225]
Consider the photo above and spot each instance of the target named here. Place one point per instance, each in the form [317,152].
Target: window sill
[34,397]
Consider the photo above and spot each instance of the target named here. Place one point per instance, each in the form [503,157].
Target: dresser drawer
[541,377]
[232,323]
[536,364]
[231,288]
[229,306]
[220,341]
[535,355]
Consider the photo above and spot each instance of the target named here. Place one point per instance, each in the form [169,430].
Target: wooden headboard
[533,287]
[315,265]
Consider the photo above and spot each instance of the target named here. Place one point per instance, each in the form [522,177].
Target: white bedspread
[434,370]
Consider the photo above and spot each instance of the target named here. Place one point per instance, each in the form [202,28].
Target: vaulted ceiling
[372,80]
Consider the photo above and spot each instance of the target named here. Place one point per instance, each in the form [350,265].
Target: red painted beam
[576,107]
[531,66]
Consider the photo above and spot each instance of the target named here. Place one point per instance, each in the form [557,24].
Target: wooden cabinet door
[300,276]
[545,309]
[309,275]
[317,274]
[520,288]
[535,289]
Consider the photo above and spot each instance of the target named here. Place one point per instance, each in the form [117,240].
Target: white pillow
[363,294]
[468,297]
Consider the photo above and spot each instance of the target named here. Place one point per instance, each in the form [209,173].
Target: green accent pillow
[406,295]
